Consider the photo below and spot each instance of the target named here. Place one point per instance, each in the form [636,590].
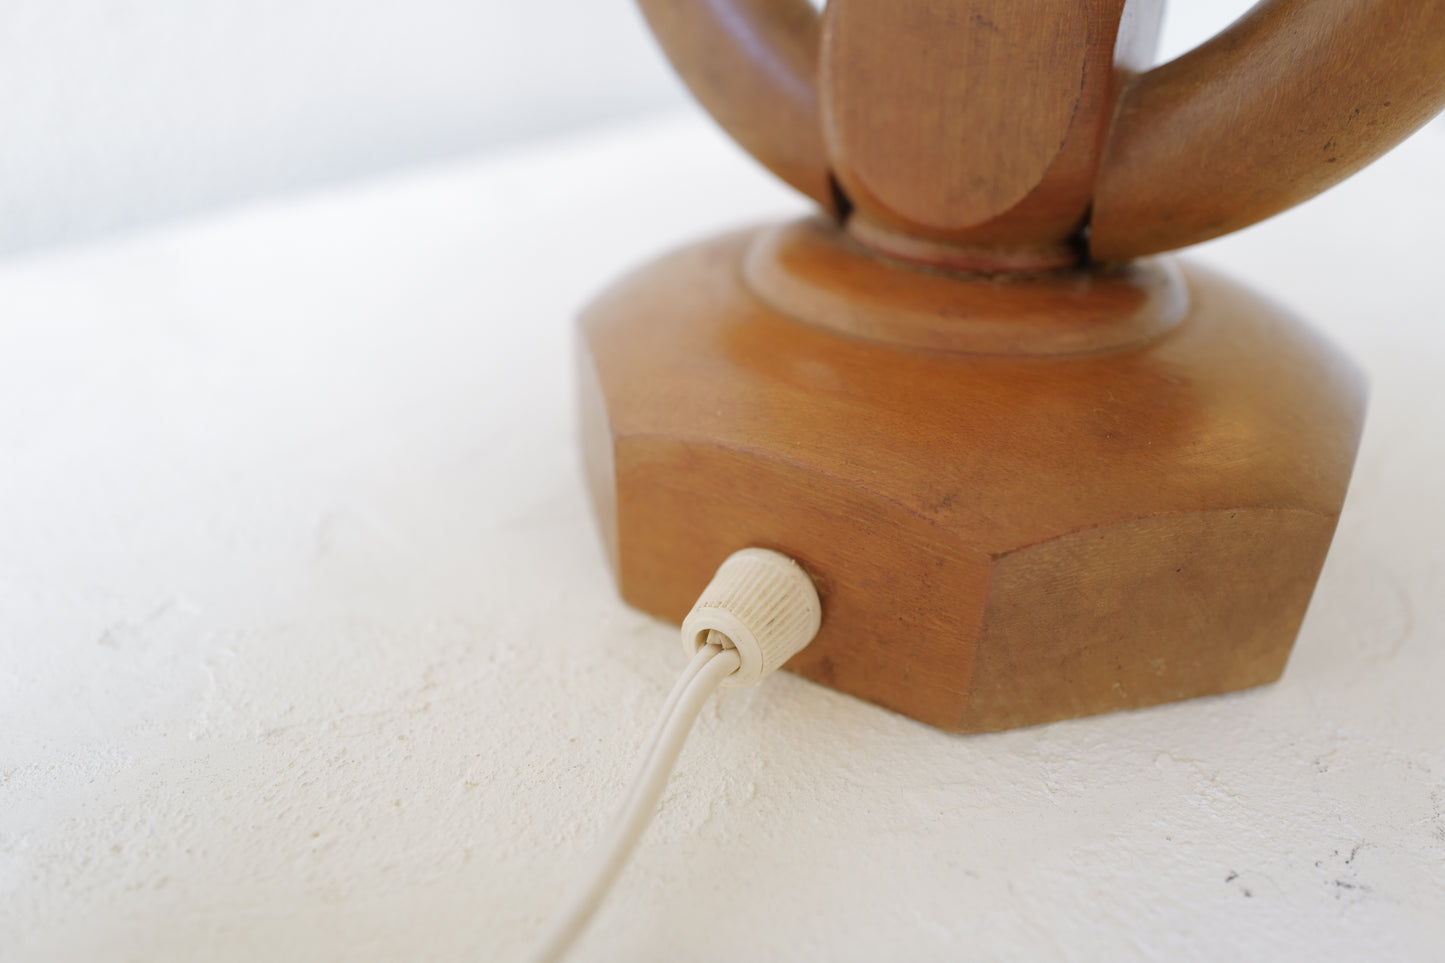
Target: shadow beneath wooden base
[1004,531]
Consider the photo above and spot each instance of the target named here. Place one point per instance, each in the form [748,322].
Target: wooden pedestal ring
[812,272]
[1036,471]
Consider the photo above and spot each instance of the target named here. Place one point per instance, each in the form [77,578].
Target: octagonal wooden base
[1126,504]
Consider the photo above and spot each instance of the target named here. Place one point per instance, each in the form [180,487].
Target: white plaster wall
[115,113]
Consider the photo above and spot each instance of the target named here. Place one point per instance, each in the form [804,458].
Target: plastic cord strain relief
[764,604]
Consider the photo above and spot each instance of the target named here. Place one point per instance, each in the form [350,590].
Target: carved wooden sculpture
[1035,473]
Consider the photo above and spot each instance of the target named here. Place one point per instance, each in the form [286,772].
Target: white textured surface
[310,652]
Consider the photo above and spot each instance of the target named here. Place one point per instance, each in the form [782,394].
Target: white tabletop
[310,651]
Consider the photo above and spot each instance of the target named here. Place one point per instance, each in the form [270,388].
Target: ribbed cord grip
[764,604]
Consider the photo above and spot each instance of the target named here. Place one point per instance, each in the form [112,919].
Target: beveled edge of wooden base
[702,395]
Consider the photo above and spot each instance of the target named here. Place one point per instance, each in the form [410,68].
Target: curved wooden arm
[1291,99]
[754,65]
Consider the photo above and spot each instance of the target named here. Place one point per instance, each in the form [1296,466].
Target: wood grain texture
[999,541]
[1291,99]
[967,134]
[753,64]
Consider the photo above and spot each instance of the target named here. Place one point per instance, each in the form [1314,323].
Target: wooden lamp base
[1022,500]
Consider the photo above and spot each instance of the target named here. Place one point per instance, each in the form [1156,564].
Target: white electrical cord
[698,681]
[759,610]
